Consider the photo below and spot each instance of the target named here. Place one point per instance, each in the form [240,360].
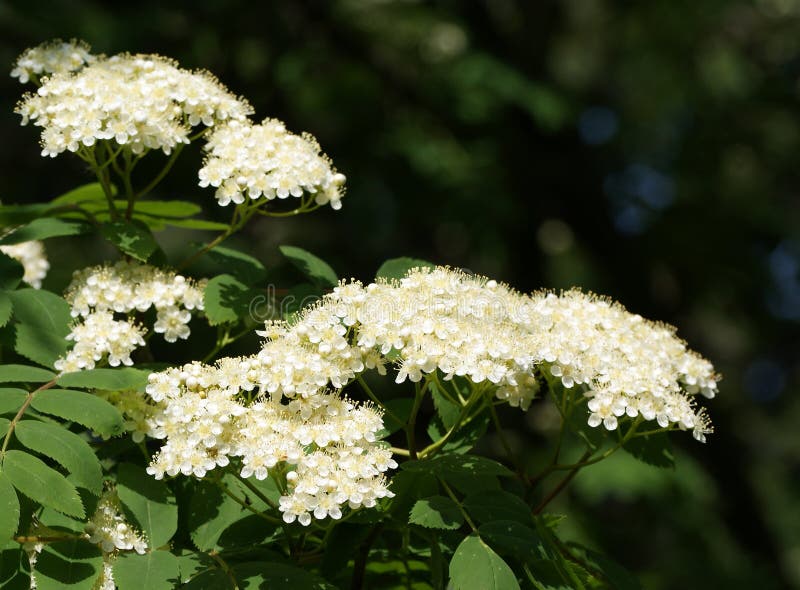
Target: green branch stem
[13,424]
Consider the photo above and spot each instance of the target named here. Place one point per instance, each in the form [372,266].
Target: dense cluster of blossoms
[97,293]
[33,259]
[145,102]
[110,531]
[51,58]
[268,408]
[255,161]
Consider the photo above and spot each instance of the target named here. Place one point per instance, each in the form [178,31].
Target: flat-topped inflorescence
[266,409]
[97,293]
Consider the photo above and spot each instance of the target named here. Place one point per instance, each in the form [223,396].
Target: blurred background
[644,150]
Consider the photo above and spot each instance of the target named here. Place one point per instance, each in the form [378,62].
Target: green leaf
[6,307]
[464,438]
[447,410]
[447,464]
[226,300]
[476,565]
[397,268]
[19,214]
[11,399]
[192,564]
[41,483]
[242,266]
[81,407]
[13,564]
[131,237]
[75,564]
[615,575]
[24,374]
[653,449]
[107,379]
[150,502]
[213,579]
[9,510]
[313,267]
[11,273]
[408,487]
[436,512]
[201,224]
[210,513]
[167,208]
[257,575]
[156,570]
[298,297]
[44,322]
[511,538]
[485,506]
[66,448]
[82,194]
[45,227]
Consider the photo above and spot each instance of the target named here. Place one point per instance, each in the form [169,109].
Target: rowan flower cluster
[110,531]
[276,406]
[51,57]
[207,420]
[97,293]
[266,161]
[33,259]
[144,102]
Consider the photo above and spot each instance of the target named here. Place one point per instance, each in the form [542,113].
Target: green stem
[453,497]
[460,421]
[412,419]
[164,171]
[244,504]
[225,568]
[13,424]
[240,218]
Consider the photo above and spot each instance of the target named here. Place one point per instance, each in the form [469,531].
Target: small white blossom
[52,57]
[33,259]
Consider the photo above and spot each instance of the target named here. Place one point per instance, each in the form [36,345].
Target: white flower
[50,58]
[145,102]
[33,259]
[247,161]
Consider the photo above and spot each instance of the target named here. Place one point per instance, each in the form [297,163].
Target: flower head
[52,57]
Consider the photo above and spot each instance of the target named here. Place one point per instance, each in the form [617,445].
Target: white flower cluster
[33,259]
[110,531]
[206,422]
[97,293]
[433,319]
[51,57]
[255,161]
[145,102]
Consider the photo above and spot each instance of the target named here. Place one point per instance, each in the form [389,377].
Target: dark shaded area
[647,151]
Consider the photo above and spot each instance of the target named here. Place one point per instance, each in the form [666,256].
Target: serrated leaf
[6,307]
[470,465]
[41,483]
[242,266]
[24,374]
[476,565]
[226,300]
[11,399]
[155,570]
[397,268]
[310,265]
[485,506]
[11,273]
[66,448]
[149,502]
[653,449]
[210,513]
[82,194]
[106,379]
[131,237]
[43,324]
[447,410]
[192,564]
[436,512]
[81,407]
[43,228]
[9,509]
[72,564]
